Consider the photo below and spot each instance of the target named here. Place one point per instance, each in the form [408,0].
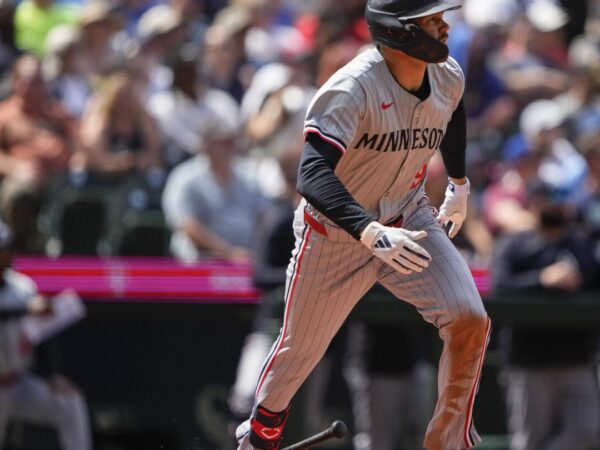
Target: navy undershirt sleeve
[454,144]
[319,185]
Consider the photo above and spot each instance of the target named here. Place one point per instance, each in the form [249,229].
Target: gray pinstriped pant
[329,274]
[538,399]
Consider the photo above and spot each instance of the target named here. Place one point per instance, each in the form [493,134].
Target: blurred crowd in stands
[158,127]
[174,128]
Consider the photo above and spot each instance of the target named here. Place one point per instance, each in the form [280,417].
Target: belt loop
[314,223]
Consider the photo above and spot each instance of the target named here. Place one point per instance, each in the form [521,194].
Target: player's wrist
[459,188]
[370,233]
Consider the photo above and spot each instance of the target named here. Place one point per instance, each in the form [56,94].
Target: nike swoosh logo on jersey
[385,105]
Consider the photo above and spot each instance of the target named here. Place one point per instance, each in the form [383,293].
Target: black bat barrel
[337,429]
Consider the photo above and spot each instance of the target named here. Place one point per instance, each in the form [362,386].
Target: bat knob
[339,429]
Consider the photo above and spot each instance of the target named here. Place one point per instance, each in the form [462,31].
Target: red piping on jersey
[288,302]
[325,138]
[468,441]
[314,223]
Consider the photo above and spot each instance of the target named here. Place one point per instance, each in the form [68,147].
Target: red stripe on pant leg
[288,302]
[468,442]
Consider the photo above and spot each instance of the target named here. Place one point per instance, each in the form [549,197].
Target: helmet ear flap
[402,33]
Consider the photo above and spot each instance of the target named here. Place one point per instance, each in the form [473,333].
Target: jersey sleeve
[458,76]
[336,111]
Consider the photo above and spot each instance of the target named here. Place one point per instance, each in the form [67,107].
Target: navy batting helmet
[389,25]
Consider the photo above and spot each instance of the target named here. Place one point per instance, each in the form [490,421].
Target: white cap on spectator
[233,19]
[59,40]
[584,52]
[486,13]
[220,123]
[538,116]
[546,16]
[101,11]
[217,128]
[158,20]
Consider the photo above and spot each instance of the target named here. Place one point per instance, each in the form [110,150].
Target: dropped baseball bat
[337,429]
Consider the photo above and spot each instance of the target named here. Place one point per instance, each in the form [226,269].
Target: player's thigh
[326,279]
[443,291]
[35,401]
[580,399]
[531,403]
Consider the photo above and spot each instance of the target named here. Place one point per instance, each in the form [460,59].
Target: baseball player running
[370,132]
[24,395]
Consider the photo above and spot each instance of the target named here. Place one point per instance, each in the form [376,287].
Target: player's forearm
[206,240]
[319,185]
[454,144]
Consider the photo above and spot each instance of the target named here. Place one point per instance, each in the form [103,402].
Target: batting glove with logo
[454,208]
[396,247]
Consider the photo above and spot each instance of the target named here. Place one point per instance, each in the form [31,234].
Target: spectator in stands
[588,143]
[181,111]
[584,86]
[160,33]
[35,18]
[37,139]
[100,24]
[490,107]
[211,201]
[119,137]
[24,395]
[133,10]
[542,126]
[224,60]
[533,62]
[505,207]
[273,110]
[551,388]
[323,23]
[63,69]
[267,39]
[8,47]
[194,17]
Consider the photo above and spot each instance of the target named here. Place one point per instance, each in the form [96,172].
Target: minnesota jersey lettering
[405,139]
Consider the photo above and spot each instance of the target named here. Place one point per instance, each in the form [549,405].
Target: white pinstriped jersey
[386,134]
[17,290]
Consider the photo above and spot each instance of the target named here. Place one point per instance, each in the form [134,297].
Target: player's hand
[454,208]
[396,247]
[62,385]
[39,305]
[561,275]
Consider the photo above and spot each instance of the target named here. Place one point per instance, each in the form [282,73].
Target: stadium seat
[75,219]
[137,233]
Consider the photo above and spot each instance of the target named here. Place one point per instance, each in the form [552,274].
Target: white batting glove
[454,208]
[396,247]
